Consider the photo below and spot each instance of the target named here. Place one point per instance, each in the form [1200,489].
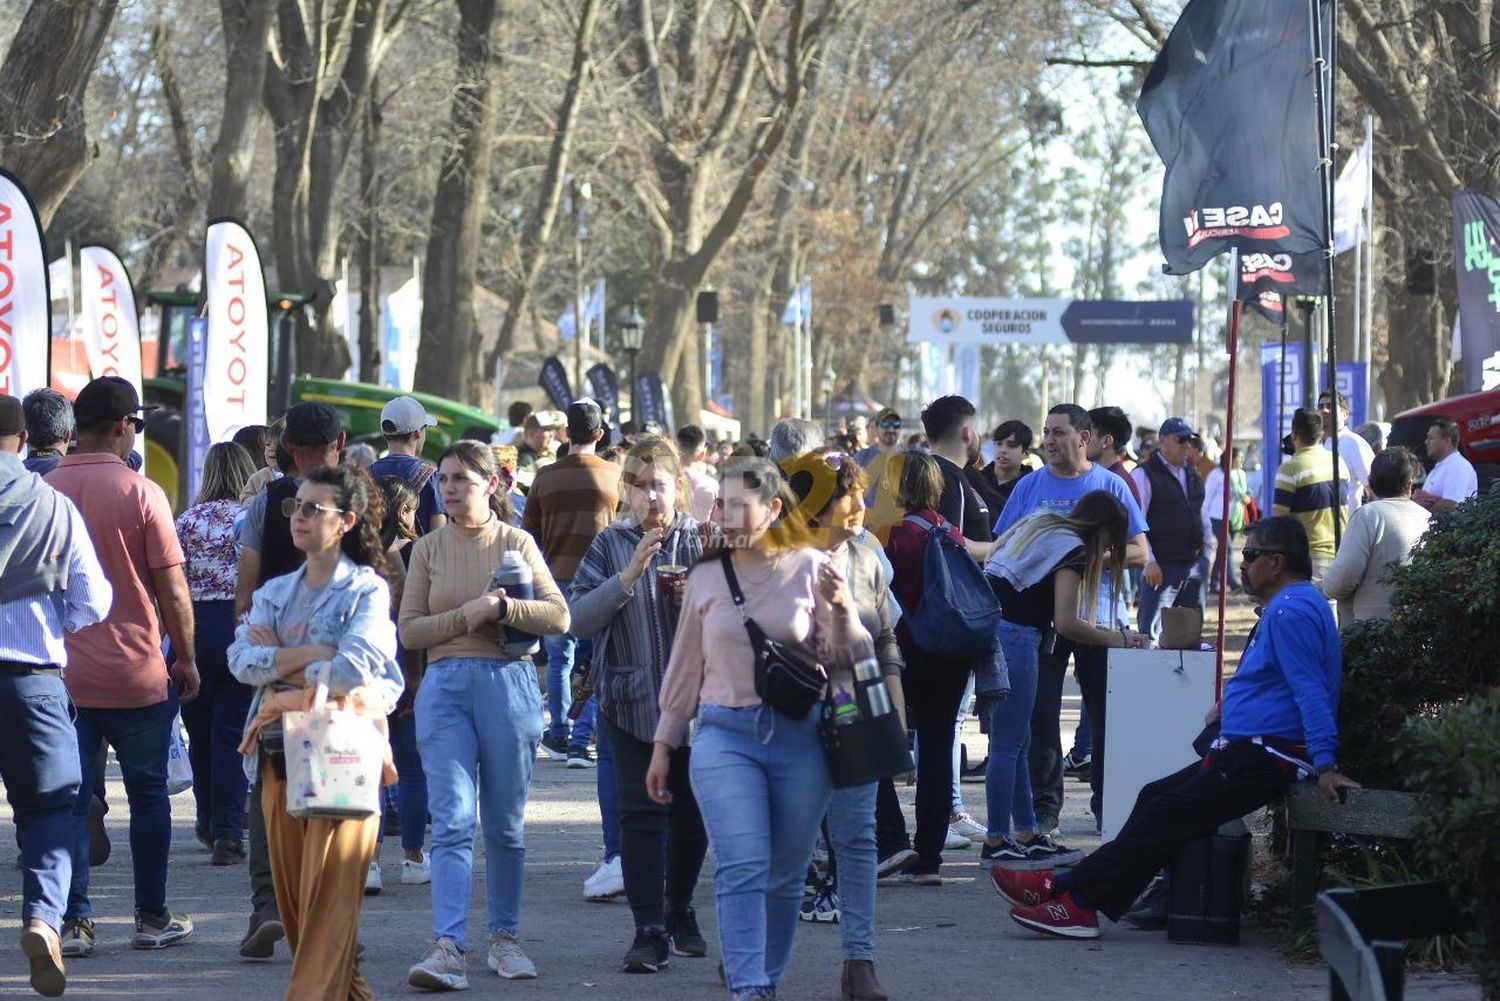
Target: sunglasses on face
[889,425]
[309,509]
[139,423]
[1248,556]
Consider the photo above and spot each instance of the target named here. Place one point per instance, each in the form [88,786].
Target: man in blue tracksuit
[1278,724]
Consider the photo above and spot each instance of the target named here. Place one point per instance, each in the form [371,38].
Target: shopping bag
[179,768]
[333,762]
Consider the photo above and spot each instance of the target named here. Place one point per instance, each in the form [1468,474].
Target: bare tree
[450,325]
[43,136]
[247,29]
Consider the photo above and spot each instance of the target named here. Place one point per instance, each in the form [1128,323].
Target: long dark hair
[480,458]
[354,491]
[1102,523]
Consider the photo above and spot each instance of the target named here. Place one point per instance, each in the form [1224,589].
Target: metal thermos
[514,574]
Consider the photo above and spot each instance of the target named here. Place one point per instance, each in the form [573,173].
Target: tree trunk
[369,250]
[247,28]
[450,325]
[536,237]
[43,138]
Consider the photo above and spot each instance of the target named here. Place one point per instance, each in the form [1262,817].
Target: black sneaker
[1149,912]
[1006,852]
[1078,767]
[682,930]
[894,862]
[1051,855]
[580,757]
[555,747]
[649,952]
[228,851]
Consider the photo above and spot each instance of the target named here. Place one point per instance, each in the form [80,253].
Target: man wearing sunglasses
[117,678]
[1277,725]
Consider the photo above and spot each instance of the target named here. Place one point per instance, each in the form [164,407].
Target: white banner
[1350,193]
[60,275]
[111,326]
[234,384]
[25,307]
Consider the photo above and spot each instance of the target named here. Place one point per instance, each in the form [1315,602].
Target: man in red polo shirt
[117,678]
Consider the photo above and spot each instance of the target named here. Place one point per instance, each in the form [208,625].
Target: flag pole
[1322,87]
[1228,464]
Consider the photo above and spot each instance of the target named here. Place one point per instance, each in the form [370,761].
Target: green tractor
[358,404]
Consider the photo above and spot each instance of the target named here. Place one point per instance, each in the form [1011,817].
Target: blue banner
[195,434]
[1281,387]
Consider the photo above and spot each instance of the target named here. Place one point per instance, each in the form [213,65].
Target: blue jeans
[411,784]
[1181,587]
[1007,777]
[215,722]
[763,789]
[562,650]
[40,766]
[478,723]
[608,792]
[851,827]
[140,738]
[1083,736]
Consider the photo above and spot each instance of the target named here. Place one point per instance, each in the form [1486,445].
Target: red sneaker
[1060,916]
[1022,888]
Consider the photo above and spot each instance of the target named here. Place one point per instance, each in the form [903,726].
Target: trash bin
[1208,885]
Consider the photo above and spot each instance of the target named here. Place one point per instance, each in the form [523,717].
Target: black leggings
[661,847]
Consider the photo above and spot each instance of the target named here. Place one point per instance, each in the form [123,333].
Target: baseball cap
[105,400]
[1175,427]
[311,424]
[886,415]
[543,420]
[403,415]
[585,420]
[12,417]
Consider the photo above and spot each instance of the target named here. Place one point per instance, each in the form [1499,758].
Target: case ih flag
[1267,281]
[1230,107]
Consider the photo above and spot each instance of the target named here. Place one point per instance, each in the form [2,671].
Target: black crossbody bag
[783,680]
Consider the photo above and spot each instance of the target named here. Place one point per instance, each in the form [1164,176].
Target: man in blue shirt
[50,582]
[1056,489]
[1277,725]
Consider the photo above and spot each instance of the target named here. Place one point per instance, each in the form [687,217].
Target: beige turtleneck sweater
[452,566]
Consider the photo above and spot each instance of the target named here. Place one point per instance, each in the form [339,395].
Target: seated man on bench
[1277,725]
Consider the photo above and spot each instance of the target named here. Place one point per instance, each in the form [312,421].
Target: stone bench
[1376,813]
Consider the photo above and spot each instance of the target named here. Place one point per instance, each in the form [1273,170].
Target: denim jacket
[352,614]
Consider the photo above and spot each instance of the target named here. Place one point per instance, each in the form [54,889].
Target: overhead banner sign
[25,301]
[1476,231]
[236,362]
[111,326]
[1230,107]
[962,320]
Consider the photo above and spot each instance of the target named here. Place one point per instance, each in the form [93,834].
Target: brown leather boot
[859,984]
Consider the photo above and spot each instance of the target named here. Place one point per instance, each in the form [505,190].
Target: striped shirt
[634,628]
[1304,489]
[31,629]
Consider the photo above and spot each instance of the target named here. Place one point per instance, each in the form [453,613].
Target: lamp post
[632,330]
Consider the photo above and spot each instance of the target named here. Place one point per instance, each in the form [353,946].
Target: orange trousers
[318,868]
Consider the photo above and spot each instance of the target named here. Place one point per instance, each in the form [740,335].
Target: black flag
[1267,281]
[653,407]
[605,386]
[554,379]
[1230,107]
[1476,232]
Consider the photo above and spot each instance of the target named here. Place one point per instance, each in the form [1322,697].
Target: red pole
[1223,539]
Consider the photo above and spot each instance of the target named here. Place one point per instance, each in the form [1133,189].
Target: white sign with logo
[963,320]
[237,362]
[25,312]
[111,327]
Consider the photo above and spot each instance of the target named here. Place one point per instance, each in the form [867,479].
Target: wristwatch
[1325,769]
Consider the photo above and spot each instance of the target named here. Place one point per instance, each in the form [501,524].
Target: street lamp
[632,330]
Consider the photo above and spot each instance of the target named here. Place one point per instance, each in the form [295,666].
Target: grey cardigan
[633,629]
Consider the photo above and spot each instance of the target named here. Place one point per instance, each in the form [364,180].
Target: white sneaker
[416,873]
[373,885]
[966,825]
[442,969]
[607,881]
[508,960]
[954,841]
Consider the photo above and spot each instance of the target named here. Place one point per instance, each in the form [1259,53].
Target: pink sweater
[712,661]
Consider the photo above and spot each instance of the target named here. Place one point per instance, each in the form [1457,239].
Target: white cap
[403,415]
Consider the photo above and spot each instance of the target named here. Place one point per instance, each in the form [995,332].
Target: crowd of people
[609,601]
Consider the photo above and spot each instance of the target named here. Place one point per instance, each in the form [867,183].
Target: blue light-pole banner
[195,434]
[1281,394]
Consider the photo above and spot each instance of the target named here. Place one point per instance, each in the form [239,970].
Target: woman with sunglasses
[758,774]
[625,596]
[328,622]
[847,895]
[479,711]
[1045,570]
